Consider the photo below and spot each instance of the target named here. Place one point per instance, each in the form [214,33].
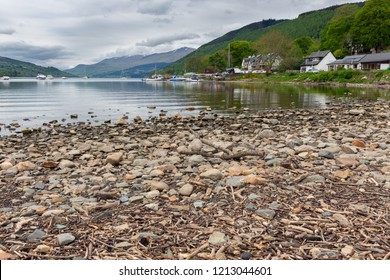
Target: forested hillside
[343,29]
[15,68]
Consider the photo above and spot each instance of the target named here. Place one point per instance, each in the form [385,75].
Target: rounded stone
[186,190]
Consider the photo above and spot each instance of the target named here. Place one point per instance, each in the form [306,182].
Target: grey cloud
[7,31]
[159,8]
[167,39]
[24,50]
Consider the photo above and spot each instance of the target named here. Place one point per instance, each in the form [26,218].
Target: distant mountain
[139,71]
[130,65]
[16,68]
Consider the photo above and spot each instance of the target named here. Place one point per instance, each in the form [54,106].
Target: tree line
[352,30]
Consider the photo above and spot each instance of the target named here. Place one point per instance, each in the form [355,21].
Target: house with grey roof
[317,61]
[374,61]
[261,62]
[348,62]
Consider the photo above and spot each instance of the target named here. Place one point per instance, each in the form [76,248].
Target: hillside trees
[278,46]
[336,35]
[218,61]
[371,27]
[239,50]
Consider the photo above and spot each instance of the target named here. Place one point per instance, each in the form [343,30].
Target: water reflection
[108,99]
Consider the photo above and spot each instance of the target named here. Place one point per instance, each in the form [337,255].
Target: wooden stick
[197,250]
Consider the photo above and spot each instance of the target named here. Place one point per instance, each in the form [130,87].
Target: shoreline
[314,84]
[278,184]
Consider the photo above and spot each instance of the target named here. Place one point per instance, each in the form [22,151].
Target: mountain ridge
[108,66]
[17,68]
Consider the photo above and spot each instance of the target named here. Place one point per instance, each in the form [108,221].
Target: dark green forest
[344,29]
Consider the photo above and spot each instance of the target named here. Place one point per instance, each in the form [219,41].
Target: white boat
[85,78]
[192,80]
[49,77]
[177,79]
[154,78]
[6,78]
[41,77]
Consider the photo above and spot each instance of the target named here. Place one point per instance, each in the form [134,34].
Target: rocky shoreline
[278,184]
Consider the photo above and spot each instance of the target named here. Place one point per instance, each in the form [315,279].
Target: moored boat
[6,78]
[177,79]
[41,77]
[154,78]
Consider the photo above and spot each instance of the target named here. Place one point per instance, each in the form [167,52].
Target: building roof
[376,57]
[351,59]
[319,54]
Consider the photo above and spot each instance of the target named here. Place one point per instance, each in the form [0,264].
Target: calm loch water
[31,102]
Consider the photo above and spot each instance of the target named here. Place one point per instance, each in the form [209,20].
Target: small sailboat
[6,78]
[49,77]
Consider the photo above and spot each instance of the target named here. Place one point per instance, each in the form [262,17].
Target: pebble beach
[275,184]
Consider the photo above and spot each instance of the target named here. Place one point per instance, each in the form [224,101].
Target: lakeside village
[316,62]
[319,61]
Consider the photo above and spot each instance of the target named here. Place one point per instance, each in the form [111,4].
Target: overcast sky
[64,33]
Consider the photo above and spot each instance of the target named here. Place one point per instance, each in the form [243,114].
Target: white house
[317,61]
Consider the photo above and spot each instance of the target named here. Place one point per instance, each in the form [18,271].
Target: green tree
[279,47]
[304,43]
[336,35]
[196,64]
[371,27]
[218,61]
[239,50]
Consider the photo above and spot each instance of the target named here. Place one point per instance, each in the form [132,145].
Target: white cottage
[317,61]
